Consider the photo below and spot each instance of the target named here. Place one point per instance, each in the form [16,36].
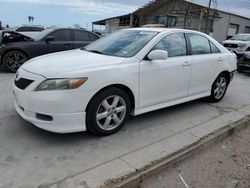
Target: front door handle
[220,59]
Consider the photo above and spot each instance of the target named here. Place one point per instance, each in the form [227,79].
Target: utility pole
[208,16]
[200,22]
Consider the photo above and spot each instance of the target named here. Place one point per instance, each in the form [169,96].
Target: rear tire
[219,88]
[13,60]
[239,69]
[107,112]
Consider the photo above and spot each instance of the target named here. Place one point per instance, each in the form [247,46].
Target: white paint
[155,84]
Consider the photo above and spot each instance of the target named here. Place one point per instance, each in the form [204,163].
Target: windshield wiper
[95,51]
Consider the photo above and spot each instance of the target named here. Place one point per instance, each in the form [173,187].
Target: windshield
[124,43]
[241,37]
[42,34]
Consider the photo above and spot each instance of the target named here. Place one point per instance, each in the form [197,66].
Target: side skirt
[170,103]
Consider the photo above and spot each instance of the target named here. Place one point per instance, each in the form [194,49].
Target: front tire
[13,60]
[219,88]
[108,111]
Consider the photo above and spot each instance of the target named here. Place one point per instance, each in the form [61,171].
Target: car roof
[166,30]
[58,28]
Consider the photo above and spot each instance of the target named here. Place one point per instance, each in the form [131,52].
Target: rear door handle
[67,45]
[186,64]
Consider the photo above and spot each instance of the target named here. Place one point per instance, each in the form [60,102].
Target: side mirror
[158,55]
[49,39]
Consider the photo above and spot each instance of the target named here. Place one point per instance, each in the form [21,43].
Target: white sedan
[129,72]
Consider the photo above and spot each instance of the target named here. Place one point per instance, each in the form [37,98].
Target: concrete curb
[133,180]
[127,171]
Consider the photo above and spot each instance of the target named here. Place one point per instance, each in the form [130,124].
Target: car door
[166,80]
[83,38]
[204,59]
[62,41]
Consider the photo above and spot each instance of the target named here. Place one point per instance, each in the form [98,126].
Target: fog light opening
[44,117]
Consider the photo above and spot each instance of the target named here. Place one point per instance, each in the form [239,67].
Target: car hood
[236,42]
[69,63]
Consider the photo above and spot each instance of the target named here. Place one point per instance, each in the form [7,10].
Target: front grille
[23,83]
[231,45]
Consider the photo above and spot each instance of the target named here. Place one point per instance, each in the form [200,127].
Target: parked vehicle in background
[132,71]
[16,49]
[244,63]
[238,44]
[30,31]
[30,28]
[154,26]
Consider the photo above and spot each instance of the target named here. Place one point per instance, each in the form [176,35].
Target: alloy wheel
[111,113]
[220,88]
[14,60]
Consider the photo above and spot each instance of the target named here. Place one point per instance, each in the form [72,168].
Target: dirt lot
[226,164]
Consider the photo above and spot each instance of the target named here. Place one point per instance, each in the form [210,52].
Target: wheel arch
[226,73]
[125,88]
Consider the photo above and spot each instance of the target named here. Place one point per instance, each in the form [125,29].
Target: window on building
[174,44]
[169,21]
[247,29]
[232,30]
[124,20]
[199,44]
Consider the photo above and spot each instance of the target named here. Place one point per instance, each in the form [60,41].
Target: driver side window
[174,44]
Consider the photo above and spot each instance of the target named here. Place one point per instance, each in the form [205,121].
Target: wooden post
[131,20]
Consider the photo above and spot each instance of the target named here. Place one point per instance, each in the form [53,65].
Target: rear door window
[199,44]
[62,35]
[93,37]
[81,36]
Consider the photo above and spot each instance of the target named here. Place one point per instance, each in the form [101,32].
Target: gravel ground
[224,165]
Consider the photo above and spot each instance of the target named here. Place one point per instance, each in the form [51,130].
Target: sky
[66,13]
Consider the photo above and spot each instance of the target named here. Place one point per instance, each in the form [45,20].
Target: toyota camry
[129,72]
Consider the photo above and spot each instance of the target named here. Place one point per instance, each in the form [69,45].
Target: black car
[244,63]
[15,48]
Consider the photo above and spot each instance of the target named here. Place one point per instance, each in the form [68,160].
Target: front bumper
[244,64]
[54,111]
[60,123]
[238,52]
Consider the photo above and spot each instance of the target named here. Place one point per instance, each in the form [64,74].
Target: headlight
[242,46]
[61,84]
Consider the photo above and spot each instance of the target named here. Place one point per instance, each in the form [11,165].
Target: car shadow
[145,122]
[2,70]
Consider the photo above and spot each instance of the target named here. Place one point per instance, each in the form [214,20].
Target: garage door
[232,30]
